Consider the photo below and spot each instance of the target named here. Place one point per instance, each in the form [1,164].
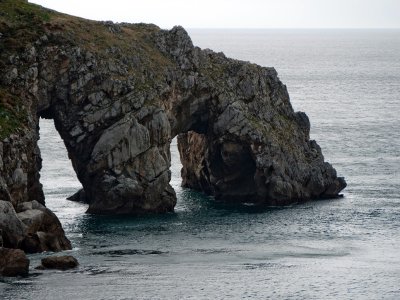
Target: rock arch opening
[57,174]
[225,170]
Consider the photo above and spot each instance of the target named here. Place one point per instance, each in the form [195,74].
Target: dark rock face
[20,164]
[118,99]
[227,172]
[13,262]
[59,262]
[12,229]
[79,196]
[236,173]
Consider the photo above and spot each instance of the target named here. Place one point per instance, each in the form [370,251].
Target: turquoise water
[348,82]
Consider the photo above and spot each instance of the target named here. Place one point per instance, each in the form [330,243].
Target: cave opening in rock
[214,160]
[225,169]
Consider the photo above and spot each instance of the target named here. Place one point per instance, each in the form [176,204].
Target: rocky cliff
[118,94]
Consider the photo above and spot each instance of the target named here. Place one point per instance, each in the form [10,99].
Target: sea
[348,82]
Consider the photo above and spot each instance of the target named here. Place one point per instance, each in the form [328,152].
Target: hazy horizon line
[292,28]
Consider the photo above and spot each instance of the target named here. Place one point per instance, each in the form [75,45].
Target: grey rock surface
[11,227]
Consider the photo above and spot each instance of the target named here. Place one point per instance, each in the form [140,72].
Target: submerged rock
[13,262]
[79,196]
[117,105]
[59,262]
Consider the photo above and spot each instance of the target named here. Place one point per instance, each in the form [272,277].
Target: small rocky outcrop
[32,228]
[13,262]
[43,229]
[79,196]
[118,94]
[63,263]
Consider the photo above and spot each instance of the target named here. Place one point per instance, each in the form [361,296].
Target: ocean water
[348,82]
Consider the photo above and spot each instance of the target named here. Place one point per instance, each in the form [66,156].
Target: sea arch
[117,112]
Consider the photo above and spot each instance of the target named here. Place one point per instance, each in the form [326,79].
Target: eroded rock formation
[118,94]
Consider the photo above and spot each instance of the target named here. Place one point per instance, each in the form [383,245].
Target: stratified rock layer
[118,94]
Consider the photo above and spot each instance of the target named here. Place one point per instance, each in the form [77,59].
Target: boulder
[11,227]
[13,262]
[33,229]
[43,229]
[59,262]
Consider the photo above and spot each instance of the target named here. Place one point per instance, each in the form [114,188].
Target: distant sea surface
[348,82]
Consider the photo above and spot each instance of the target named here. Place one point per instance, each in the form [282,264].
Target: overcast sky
[238,13]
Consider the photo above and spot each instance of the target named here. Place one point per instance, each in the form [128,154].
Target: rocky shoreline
[32,228]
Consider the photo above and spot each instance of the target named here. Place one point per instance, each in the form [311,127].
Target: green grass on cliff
[96,37]
[12,114]
[18,11]
[20,24]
